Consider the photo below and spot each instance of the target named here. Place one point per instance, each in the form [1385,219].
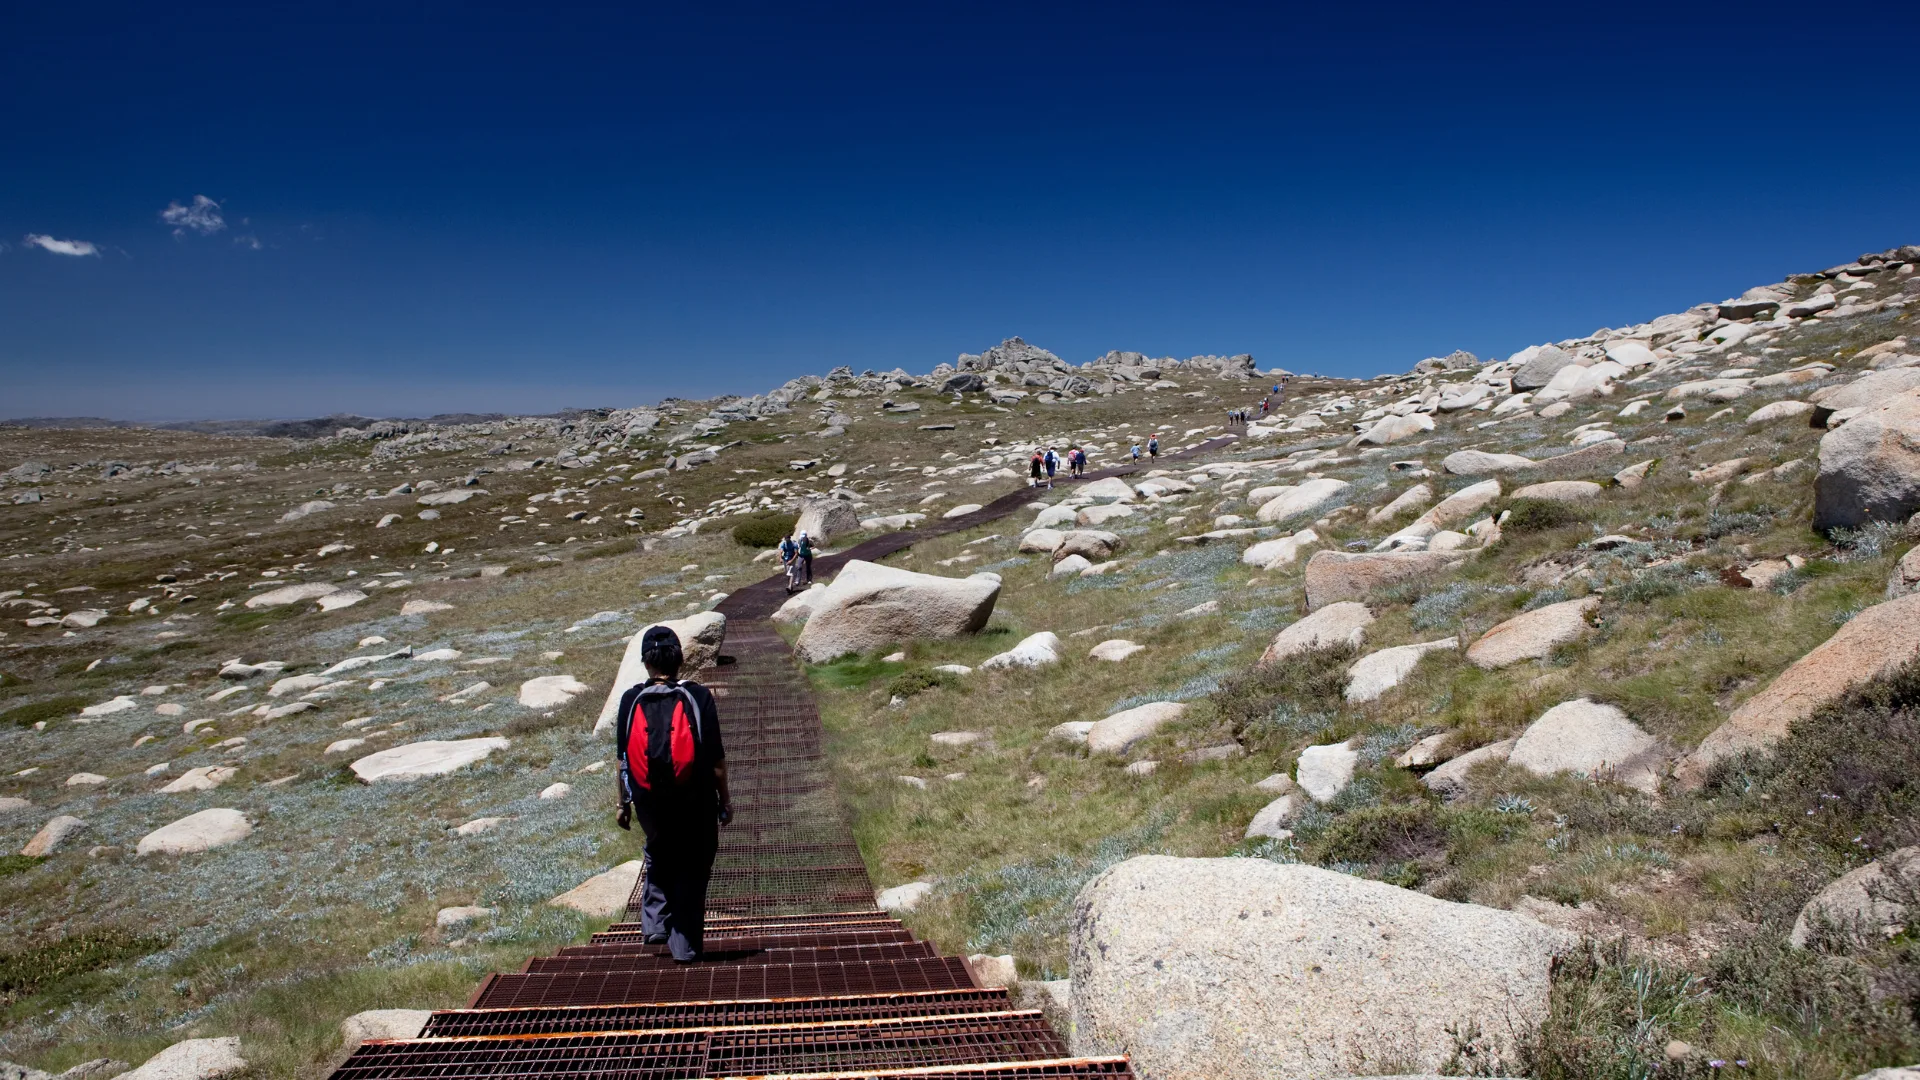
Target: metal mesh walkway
[801,978]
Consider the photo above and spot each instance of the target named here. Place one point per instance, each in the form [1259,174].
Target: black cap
[660,649]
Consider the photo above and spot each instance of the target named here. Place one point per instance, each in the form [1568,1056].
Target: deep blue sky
[436,207]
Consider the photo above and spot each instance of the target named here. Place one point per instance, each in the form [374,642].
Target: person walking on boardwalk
[673,779]
[1136,453]
[1052,461]
[1153,447]
[806,555]
[790,562]
[1034,465]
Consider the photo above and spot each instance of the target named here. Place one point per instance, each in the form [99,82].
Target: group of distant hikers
[1241,417]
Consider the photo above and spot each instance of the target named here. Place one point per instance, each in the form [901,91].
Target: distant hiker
[1076,462]
[673,778]
[790,561]
[1136,453]
[1153,447]
[1034,465]
[806,555]
[1053,465]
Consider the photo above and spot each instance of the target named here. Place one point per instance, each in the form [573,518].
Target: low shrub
[1538,515]
[1302,692]
[918,680]
[50,709]
[1846,778]
[764,530]
[28,971]
[14,864]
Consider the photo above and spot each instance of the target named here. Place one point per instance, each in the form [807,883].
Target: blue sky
[423,207]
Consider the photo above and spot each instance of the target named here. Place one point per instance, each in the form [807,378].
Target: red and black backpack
[658,739]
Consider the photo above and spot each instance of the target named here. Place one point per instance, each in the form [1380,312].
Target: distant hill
[314,428]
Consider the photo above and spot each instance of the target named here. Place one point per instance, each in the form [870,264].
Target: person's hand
[726,813]
[624,818]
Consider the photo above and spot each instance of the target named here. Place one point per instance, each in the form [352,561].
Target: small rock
[203,831]
[1532,635]
[602,895]
[1142,768]
[902,898]
[1117,649]
[993,971]
[556,791]
[449,918]
[1277,784]
[204,778]
[52,835]
[384,1024]
[1324,771]
[1271,820]
[1451,778]
[1373,675]
[194,1059]
[1118,733]
[478,826]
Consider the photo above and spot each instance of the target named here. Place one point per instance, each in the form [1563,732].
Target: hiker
[673,779]
[1053,466]
[1034,465]
[1153,446]
[1136,453]
[790,561]
[806,555]
[1077,462]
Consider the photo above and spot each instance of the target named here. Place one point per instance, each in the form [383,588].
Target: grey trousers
[681,843]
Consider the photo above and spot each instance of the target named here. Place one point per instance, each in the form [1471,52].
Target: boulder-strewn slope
[1594,636]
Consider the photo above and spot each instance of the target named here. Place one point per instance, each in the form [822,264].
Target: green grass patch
[38,969]
[50,709]
[851,672]
[15,864]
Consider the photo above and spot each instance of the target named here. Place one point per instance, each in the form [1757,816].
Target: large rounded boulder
[869,605]
[1235,969]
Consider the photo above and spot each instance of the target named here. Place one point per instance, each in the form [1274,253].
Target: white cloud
[249,241]
[202,217]
[61,247]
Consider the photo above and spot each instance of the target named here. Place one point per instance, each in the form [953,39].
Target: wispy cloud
[61,247]
[249,241]
[202,217]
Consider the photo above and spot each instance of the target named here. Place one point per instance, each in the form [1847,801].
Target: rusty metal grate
[943,1040]
[723,982]
[579,1018]
[650,1056]
[647,957]
[1011,1070]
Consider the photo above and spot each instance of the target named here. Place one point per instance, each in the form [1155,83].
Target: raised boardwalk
[802,976]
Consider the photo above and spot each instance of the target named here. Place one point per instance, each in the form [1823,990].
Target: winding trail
[802,975]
